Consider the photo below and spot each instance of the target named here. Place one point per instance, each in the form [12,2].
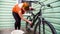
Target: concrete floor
[9,30]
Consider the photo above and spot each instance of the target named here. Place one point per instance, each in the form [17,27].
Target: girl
[18,11]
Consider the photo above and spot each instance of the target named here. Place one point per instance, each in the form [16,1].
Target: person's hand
[30,22]
[31,8]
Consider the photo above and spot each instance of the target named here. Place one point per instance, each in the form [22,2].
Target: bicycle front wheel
[44,28]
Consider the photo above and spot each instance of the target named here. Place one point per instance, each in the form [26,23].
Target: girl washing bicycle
[18,11]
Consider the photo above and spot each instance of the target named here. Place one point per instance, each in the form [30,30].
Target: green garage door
[6,18]
[7,21]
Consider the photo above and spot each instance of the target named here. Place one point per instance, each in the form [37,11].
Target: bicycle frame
[35,17]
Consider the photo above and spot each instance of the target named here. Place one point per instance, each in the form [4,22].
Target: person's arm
[21,16]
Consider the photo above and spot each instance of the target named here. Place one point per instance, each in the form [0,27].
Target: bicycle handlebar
[42,4]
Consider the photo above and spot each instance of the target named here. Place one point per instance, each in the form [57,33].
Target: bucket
[17,32]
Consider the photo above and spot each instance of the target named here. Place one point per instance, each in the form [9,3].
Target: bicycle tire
[49,25]
[29,18]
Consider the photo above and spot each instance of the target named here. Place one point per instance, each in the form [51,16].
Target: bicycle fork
[41,22]
[39,25]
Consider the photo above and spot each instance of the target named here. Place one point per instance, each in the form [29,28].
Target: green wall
[51,15]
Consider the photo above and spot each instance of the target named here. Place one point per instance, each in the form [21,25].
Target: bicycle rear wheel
[45,28]
[27,24]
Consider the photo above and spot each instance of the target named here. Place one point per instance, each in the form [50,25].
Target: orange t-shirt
[16,9]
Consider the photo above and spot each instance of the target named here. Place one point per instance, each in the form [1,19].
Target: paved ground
[8,31]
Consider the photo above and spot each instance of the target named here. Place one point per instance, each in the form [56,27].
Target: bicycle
[41,21]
